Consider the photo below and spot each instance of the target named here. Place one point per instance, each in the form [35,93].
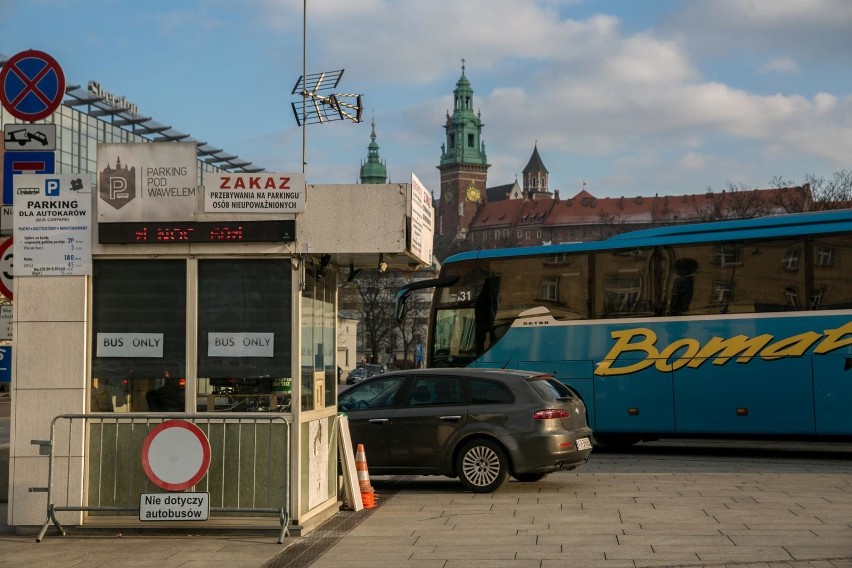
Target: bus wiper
[404,292]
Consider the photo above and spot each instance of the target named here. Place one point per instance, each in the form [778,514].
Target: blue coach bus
[728,328]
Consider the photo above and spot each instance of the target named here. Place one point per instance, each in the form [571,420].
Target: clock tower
[463,167]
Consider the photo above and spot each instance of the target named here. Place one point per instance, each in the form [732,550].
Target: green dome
[374,169]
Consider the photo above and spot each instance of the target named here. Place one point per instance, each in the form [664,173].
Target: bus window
[832,268]
[558,282]
[623,283]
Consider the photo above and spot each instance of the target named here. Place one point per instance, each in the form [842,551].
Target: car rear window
[549,389]
[483,391]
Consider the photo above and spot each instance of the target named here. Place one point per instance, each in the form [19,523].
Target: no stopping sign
[175,455]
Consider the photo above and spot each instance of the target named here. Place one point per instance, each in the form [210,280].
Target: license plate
[583,444]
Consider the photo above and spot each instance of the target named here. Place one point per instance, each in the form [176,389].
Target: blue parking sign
[6,364]
[24,163]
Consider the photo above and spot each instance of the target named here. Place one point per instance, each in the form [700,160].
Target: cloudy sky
[632,97]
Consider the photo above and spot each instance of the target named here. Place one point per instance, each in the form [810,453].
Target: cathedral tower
[463,166]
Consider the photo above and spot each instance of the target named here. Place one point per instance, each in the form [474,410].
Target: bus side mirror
[401,299]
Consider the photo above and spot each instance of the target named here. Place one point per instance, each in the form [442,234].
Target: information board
[422,222]
[52,225]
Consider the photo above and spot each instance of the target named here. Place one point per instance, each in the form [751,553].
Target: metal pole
[304,75]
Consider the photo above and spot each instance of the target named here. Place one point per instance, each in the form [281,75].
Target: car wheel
[529,477]
[482,466]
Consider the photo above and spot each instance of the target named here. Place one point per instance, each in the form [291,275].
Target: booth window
[319,372]
[244,319]
[139,336]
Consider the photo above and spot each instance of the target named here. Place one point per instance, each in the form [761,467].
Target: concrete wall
[49,360]
[4,473]
[353,218]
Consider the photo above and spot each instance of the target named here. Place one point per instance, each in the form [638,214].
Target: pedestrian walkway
[618,511]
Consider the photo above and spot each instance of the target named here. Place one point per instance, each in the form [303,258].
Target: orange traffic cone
[367,491]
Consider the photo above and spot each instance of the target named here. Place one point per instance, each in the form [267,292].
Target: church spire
[535,176]
[373,170]
[464,128]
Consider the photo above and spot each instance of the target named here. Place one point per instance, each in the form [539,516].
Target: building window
[520,234]
[622,294]
[244,324]
[726,255]
[452,141]
[538,234]
[816,298]
[470,140]
[790,262]
[548,288]
[791,297]
[558,258]
[139,336]
[526,234]
[723,292]
[825,256]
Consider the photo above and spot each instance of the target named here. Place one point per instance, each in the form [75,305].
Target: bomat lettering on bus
[690,353]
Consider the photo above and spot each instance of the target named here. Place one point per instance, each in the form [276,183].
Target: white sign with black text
[174,506]
[129,345]
[422,221]
[6,322]
[29,136]
[52,225]
[244,344]
[254,193]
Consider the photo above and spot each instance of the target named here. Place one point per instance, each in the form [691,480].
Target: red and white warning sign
[175,455]
[255,193]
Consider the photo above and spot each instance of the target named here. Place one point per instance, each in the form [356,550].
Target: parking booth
[183,372]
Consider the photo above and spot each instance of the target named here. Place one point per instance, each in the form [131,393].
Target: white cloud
[584,88]
[780,66]
[693,161]
[813,29]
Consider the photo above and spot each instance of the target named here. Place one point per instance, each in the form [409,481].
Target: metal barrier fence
[249,472]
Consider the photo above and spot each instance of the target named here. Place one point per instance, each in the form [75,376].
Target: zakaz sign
[147,182]
[255,193]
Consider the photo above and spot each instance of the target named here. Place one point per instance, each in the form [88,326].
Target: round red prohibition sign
[175,455]
[6,268]
[32,85]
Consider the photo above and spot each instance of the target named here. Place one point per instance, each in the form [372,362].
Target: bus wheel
[482,466]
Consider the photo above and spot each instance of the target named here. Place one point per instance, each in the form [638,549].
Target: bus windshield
[487,295]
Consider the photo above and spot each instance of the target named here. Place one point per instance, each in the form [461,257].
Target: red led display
[197,232]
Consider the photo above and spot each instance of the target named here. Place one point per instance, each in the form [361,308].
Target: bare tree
[413,325]
[736,201]
[791,198]
[376,292]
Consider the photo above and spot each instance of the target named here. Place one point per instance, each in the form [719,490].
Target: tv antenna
[318,106]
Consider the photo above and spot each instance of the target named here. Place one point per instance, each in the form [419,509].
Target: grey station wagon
[480,425]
